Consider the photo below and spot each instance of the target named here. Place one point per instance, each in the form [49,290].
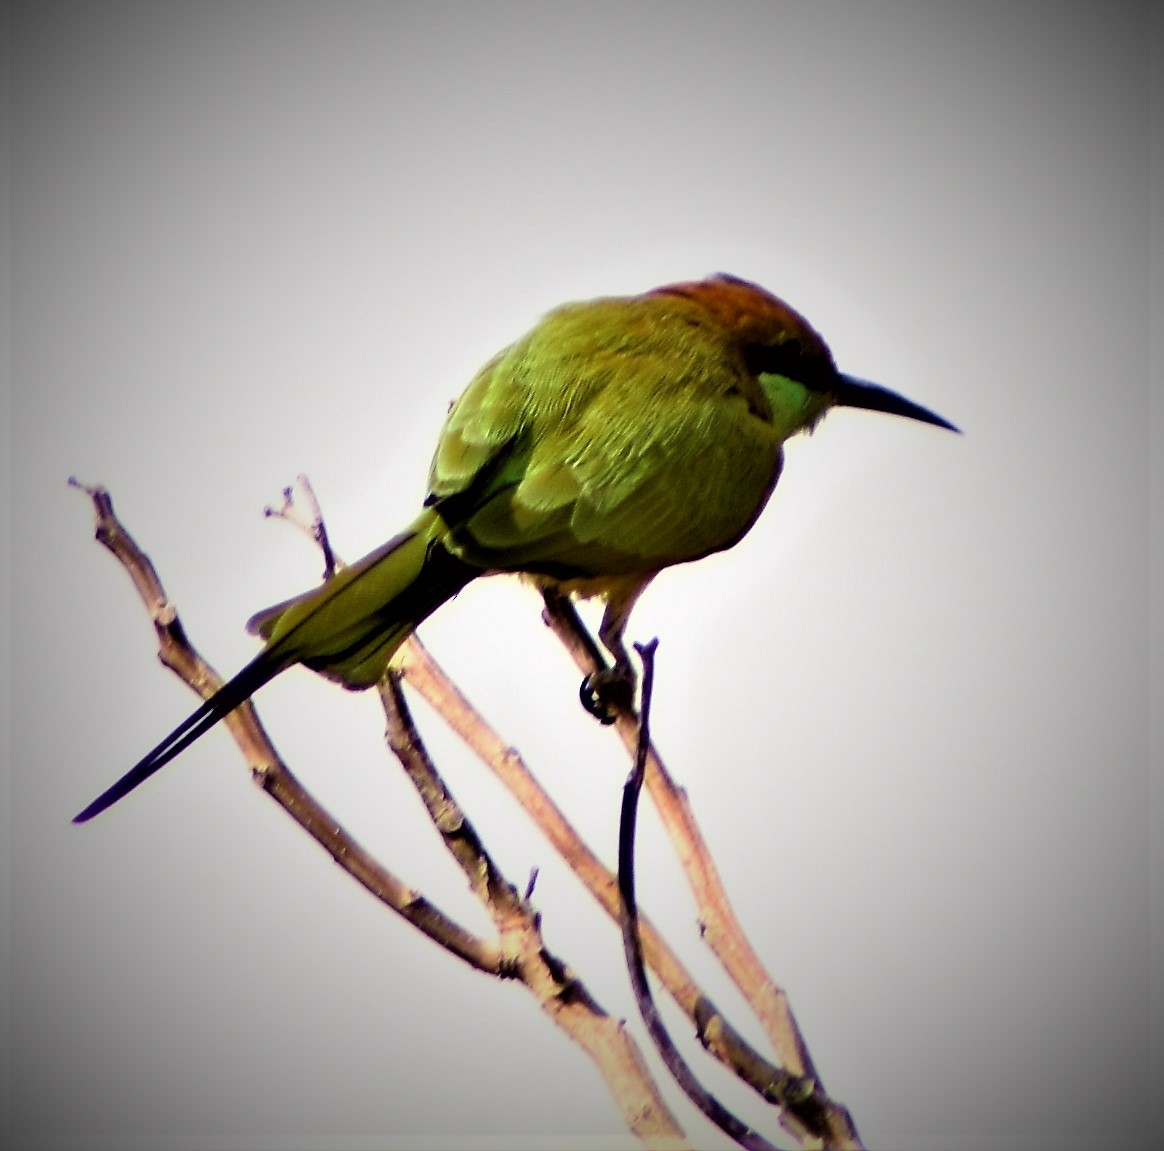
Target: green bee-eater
[618,437]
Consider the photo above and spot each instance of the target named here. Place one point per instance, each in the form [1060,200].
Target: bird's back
[619,435]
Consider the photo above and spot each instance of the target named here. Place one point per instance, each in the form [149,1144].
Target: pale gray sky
[911,709]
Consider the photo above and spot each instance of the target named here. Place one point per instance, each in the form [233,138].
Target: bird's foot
[605,693]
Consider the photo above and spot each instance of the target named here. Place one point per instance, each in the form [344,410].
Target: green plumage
[349,628]
[618,437]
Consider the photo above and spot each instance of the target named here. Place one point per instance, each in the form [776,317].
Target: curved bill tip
[854,393]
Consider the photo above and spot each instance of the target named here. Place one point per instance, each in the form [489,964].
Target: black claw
[605,693]
[592,701]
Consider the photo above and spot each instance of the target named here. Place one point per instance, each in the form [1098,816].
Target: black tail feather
[217,707]
[346,630]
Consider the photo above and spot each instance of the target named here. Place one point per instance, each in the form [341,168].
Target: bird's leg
[604,693]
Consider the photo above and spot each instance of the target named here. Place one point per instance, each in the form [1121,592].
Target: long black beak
[854,393]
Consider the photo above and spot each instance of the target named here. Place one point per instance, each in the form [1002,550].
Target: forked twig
[314,524]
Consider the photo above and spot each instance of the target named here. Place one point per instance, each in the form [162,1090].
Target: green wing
[618,436]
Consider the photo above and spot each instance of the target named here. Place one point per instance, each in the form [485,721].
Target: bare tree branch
[267,766]
[809,1110]
[519,954]
[717,1035]
[313,523]
[807,1113]
[524,956]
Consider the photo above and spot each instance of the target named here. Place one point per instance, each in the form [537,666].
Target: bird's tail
[347,630]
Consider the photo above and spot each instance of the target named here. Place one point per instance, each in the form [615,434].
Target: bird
[619,436]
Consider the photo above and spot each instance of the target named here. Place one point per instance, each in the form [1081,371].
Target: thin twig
[423,673]
[735,1128]
[313,524]
[720,927]
[525,957]
[809,1110]
[460,837]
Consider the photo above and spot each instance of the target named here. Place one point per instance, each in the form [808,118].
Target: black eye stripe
[789,359]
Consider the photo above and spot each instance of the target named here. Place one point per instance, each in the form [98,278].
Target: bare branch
[267,766]
[807,1110]
[808,1107]
[460,837]
[716,1034]
[520,953]
[721,929]
[561,995]
[312,523]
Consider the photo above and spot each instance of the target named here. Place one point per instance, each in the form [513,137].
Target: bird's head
[788,357]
